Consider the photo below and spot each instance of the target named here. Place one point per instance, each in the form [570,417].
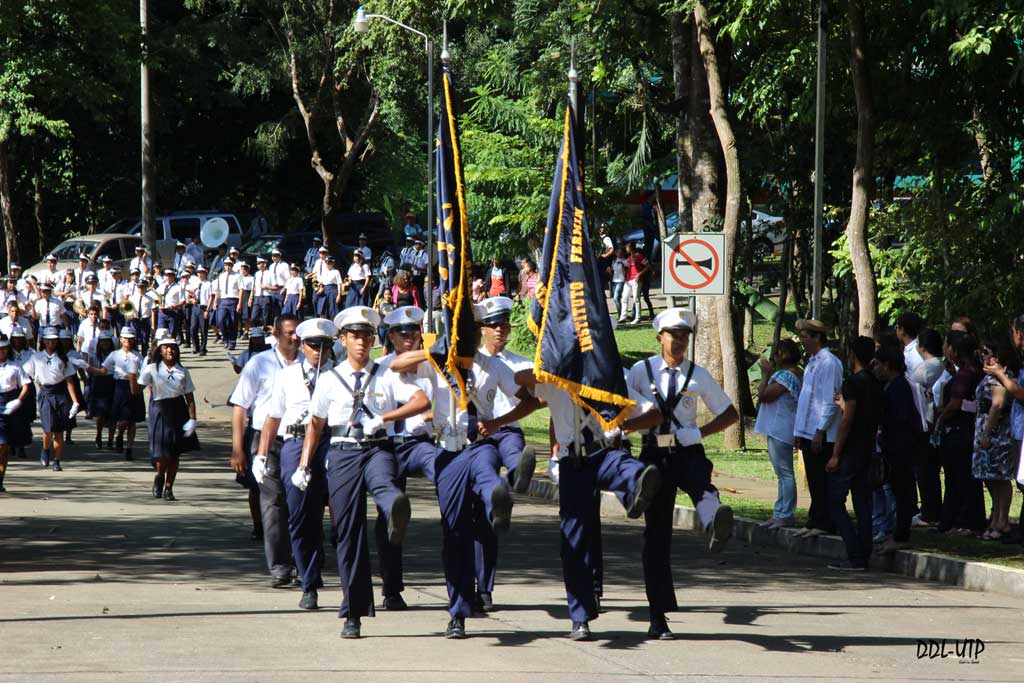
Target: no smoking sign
[692,264]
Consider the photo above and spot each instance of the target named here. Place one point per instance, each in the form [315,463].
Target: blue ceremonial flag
[452,353]
[576,347]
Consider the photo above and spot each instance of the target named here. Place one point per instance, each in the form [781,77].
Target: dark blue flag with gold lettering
[576,347]
[452,352]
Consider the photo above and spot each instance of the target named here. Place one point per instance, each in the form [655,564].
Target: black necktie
[473,426]
[357,399]
[673,387]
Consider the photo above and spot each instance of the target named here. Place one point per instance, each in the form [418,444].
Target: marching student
[199,328]
[279,273]
[48,311]
[144,301]
[127,407]
[359,405]
[227,304]
[286,422]
[249,402]
[21,353]
[262,295]
[672,384]
[101,388]
[15,431]
[173,299]
[293,288]
[245,298]
[330,283]
[92,294]
[172,414]
[358,280]
[76,359]
[59,400]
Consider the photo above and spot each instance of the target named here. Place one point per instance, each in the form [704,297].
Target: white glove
[372,425]
[300,478]
[259,468]
[12,406]
[611,435]
[189,428]
[79,363]
[688,436]
[232,358]
[74,411]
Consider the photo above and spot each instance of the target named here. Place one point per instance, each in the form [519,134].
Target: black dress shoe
[398,520]
[501,506]
[169,494]
[580,630]
[99,444]
[721,529]
[158,486]
[351,629]
[524,470]
[280,582]
[308,600]
[456,628]
[597,603]
[394,603]
[647,484]
[486,602]
[659,628]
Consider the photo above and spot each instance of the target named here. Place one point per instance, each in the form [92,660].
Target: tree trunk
[37,208]
[787,268]
[10,237]
[704,205]
[734,436]
[863,175]
[684,151]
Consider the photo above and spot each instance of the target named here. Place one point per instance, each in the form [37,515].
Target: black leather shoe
[56,466]
[501,505]
[158,486]
[721,529]
[99,444]
[580,630]
[394,603]
[351,629]
[398,520]
[456,628]
[597,602]
[169,494]
[659,628]
[647,484]
[485,601]
[524,470]
[308,600]
[280,582]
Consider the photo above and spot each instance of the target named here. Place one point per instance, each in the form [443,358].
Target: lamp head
[361,24]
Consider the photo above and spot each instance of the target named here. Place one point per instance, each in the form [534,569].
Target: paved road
[98,581]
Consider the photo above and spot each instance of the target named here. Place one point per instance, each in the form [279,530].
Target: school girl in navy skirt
[127,407]
[101,390]
[15,432]
[59,399]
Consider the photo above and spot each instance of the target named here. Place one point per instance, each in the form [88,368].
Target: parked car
[769,234]
[118,246]
[179,226]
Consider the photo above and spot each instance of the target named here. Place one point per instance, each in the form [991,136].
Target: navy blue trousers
[199,329]
[306,510]
[610,469]
[227,322]
[262,311]
[168,321]
[350,474]
[453,498]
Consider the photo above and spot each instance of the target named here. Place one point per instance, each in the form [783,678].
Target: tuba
[127,308]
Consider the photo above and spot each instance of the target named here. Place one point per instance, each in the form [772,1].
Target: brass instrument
[80,308]
[314,282]
[127,308]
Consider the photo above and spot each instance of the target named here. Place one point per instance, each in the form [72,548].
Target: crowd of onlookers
[913,429]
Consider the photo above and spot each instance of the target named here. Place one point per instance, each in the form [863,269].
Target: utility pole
[819,163]
[148,236]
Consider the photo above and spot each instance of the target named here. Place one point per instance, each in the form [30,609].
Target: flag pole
[452,405]
[577,412]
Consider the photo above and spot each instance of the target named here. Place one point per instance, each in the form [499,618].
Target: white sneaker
[634,321]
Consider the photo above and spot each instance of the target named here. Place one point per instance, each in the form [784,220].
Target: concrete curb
[978,576]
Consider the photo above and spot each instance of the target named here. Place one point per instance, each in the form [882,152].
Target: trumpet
[127,308]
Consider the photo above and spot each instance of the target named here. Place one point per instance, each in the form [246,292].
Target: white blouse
[166,382]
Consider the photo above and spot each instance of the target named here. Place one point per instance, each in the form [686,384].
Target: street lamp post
[361,25]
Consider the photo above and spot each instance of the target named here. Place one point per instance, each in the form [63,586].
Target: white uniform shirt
[424,380]
[165,382]
[263,281]
[51,277]
[144,304]
[420,260]
[367,254]
[290,395]
[384,392]
[120,363]
[330,276]
[279,273]
[110,289]
[66,291]
[89,296]
[504,403]
[294,285]
[319,268]
[139,262]
[181,261]
[229,286]
[88,333]
[563,414]
[125,290]
[248,282]
[490,377]
[47,370]
[173,295]
[103,277]
[12,376]
[80,274]
[358,271]
[702,385]
[911,357]
[204,293]
[7,325]
[50,312]
[256,383]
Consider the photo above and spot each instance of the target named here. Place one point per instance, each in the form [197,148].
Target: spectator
[777,396]
[908,326]
[403,293]
[929,486]
[898,437]
[636,266]
[1016,390]
[817,419]
[497,278]
[383,308]
[649,225]
[961,324]
[617,268]
[411,228]
[849,464]
[995,461]
[963,507]
[358,280]
[606,255]
[527,279]
[479,293]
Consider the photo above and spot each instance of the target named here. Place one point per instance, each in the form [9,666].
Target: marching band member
[13,319]
[245,298]
[141,262]
[15,430]
[51,275]
[104,274]
[359,405]
[181,259]
[93,295]
[293,288]
[199,326]
[188,282]
[263,291]
[173,300]
[47,311]
[287,418]
[172,415]
[58,398]
[76,360]
[358,280]
[279,273]
[126,407]
[66,291]
[144,301]
[101,388]
[250,399]
[672,384]
[330,282]
[227,303]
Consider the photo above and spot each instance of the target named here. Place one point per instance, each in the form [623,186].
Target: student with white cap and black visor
[58,397]
[672,384]
[287,416]
[359,404]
